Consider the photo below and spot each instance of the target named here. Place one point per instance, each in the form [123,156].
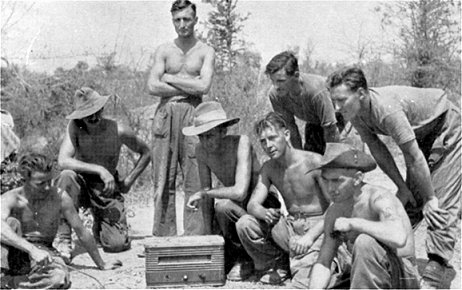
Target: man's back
[299,187]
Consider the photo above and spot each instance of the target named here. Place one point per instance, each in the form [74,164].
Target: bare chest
[187,64]
[40,218]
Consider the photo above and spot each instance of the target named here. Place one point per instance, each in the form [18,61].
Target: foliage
[40,102]
[430,41]
[224,24]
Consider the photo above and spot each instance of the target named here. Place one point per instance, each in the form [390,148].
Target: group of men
[303,214]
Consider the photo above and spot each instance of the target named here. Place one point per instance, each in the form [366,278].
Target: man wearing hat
[425,125]
[370,220]
[233,161]
[88,156]
[182,73]
[270,237]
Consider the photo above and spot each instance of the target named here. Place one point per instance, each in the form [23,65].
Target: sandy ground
[132,274]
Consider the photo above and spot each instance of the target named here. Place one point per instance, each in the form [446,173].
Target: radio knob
[185,277]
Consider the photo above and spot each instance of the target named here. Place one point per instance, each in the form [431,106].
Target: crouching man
[370,220]
[268,236]
[89,155]
[30,217]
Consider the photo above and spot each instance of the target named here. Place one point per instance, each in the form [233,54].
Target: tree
[224,25]
[430,40]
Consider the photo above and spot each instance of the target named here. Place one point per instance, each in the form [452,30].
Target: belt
[302,215]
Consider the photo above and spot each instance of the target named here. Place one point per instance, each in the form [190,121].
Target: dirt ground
[84,274]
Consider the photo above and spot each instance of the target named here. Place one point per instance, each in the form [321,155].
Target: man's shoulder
[311,159]
[12,193]
[205,47]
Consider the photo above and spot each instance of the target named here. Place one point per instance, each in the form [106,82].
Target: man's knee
[14,224]
[247,226]
[365,246]
[115,243]
[67,176]
[223,207]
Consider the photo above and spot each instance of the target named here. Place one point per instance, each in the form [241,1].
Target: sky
[60,33]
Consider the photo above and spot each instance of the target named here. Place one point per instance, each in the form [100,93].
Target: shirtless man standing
[182,73]
[370,220]
[88,156]
[233,161]
[30,216]
[296,234]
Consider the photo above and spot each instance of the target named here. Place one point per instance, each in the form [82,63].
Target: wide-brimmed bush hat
[340,155]
[207,116]
[86,103]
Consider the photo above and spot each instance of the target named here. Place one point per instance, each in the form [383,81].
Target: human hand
[45,277]
[194,200]
[111,265]
[109,181]
[435,217]
[343,224]
[300,245]
[40,257]
[124,186]
[405,196]
[272,215]
[165,78]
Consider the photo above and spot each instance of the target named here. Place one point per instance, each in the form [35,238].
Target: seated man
[370,220]
[30,217]
[89,154]
[297,234]
[233,161]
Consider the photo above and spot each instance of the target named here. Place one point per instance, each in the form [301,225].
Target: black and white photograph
[235,144]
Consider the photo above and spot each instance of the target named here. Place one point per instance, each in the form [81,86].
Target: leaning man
[30,217]
[89,155]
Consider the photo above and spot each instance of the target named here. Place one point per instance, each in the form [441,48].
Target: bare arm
[67,152]
[10,200]
[128,137]
[195,86]
[385,160]
[419,173]
[389,229]
[84,236]
[255,206]
[320,274]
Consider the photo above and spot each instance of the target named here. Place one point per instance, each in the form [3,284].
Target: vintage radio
[185,261]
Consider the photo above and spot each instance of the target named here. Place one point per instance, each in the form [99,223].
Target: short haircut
[182,4]
[286,60]
[352,77]
[271,120]
[32,162]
